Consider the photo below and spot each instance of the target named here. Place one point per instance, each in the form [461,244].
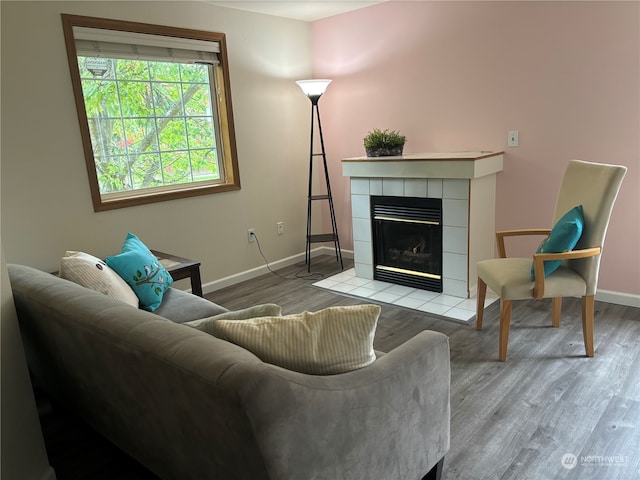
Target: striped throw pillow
[333,340]
[206,324]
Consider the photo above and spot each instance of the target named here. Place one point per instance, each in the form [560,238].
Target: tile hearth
[449,307]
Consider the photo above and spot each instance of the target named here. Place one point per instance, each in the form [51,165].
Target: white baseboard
[261,270]
[619,298]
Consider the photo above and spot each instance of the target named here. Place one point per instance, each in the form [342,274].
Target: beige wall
[46,204]
[458,76]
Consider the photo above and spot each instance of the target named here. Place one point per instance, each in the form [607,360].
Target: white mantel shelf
[468,165]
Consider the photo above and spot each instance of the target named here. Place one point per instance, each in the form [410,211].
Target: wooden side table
[180,268]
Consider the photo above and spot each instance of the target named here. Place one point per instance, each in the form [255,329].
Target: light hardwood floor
[512,420]
[518,419]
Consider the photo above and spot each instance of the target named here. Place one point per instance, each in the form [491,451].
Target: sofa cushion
[180,306]
[142,271]
[334,340]
[266,310]
[92,272]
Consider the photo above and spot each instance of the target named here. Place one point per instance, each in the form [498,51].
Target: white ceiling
[300,10]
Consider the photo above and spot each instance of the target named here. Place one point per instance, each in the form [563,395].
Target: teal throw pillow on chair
[142,271]
[563,237]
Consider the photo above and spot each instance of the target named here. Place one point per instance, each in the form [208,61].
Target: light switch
[513,139]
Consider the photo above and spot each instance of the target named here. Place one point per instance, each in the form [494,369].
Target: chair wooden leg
[588,309]
[556,308]
[505,323]
[482,293]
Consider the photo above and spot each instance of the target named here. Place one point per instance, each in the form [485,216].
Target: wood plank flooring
[522,419]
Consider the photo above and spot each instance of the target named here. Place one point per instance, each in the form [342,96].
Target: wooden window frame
[224,107]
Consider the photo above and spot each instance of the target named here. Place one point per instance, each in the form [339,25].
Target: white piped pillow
[93,273]
[333,340]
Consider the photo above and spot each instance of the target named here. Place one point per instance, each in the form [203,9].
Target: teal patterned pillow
[142,271]
[563,237]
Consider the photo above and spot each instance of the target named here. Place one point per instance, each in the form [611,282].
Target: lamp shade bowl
[313,88]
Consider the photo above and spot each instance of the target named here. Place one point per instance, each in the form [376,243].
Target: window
[155,113]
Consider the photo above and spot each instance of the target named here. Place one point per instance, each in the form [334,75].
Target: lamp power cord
[298,275]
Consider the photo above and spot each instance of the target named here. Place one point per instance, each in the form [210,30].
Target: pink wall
[457,76]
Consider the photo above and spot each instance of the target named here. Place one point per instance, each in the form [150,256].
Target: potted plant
[383,143]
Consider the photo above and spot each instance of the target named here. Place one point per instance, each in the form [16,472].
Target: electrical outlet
[280,228]
[251,235]
[512,139]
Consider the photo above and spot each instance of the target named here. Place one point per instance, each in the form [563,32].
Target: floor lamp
[314,89]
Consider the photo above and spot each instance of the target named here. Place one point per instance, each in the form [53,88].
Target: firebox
[407,241]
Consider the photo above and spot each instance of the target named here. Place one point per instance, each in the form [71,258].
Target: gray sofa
[190,406]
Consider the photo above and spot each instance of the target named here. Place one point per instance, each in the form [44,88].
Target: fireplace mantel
[466,183]
[425,165]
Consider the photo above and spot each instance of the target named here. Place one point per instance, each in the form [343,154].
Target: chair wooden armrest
[539,259]
[501,234]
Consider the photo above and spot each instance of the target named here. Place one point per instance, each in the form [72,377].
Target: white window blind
[96,42]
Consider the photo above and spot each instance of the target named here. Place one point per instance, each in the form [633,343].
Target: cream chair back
[595,186]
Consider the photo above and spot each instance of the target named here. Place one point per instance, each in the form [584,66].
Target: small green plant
[383,139]
[379,143]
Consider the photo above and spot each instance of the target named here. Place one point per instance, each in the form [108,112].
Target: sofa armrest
[388,420]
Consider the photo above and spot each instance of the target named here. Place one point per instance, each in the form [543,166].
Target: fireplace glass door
[407,241]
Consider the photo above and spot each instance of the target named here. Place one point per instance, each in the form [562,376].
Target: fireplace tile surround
[466,184]
[454,194]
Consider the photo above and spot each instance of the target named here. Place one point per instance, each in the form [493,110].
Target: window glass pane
[140,135]
[113,174]
[195,73]
[168,98]
[205,164]
[173,134]
[200,131]
[137,108]
[200,101]
[95,92]
[176,167]
[145,171]
[135,99]
[101,135]
[164,72]
[131,69]
[118,137]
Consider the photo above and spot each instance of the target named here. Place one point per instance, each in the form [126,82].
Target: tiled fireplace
[465,184]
